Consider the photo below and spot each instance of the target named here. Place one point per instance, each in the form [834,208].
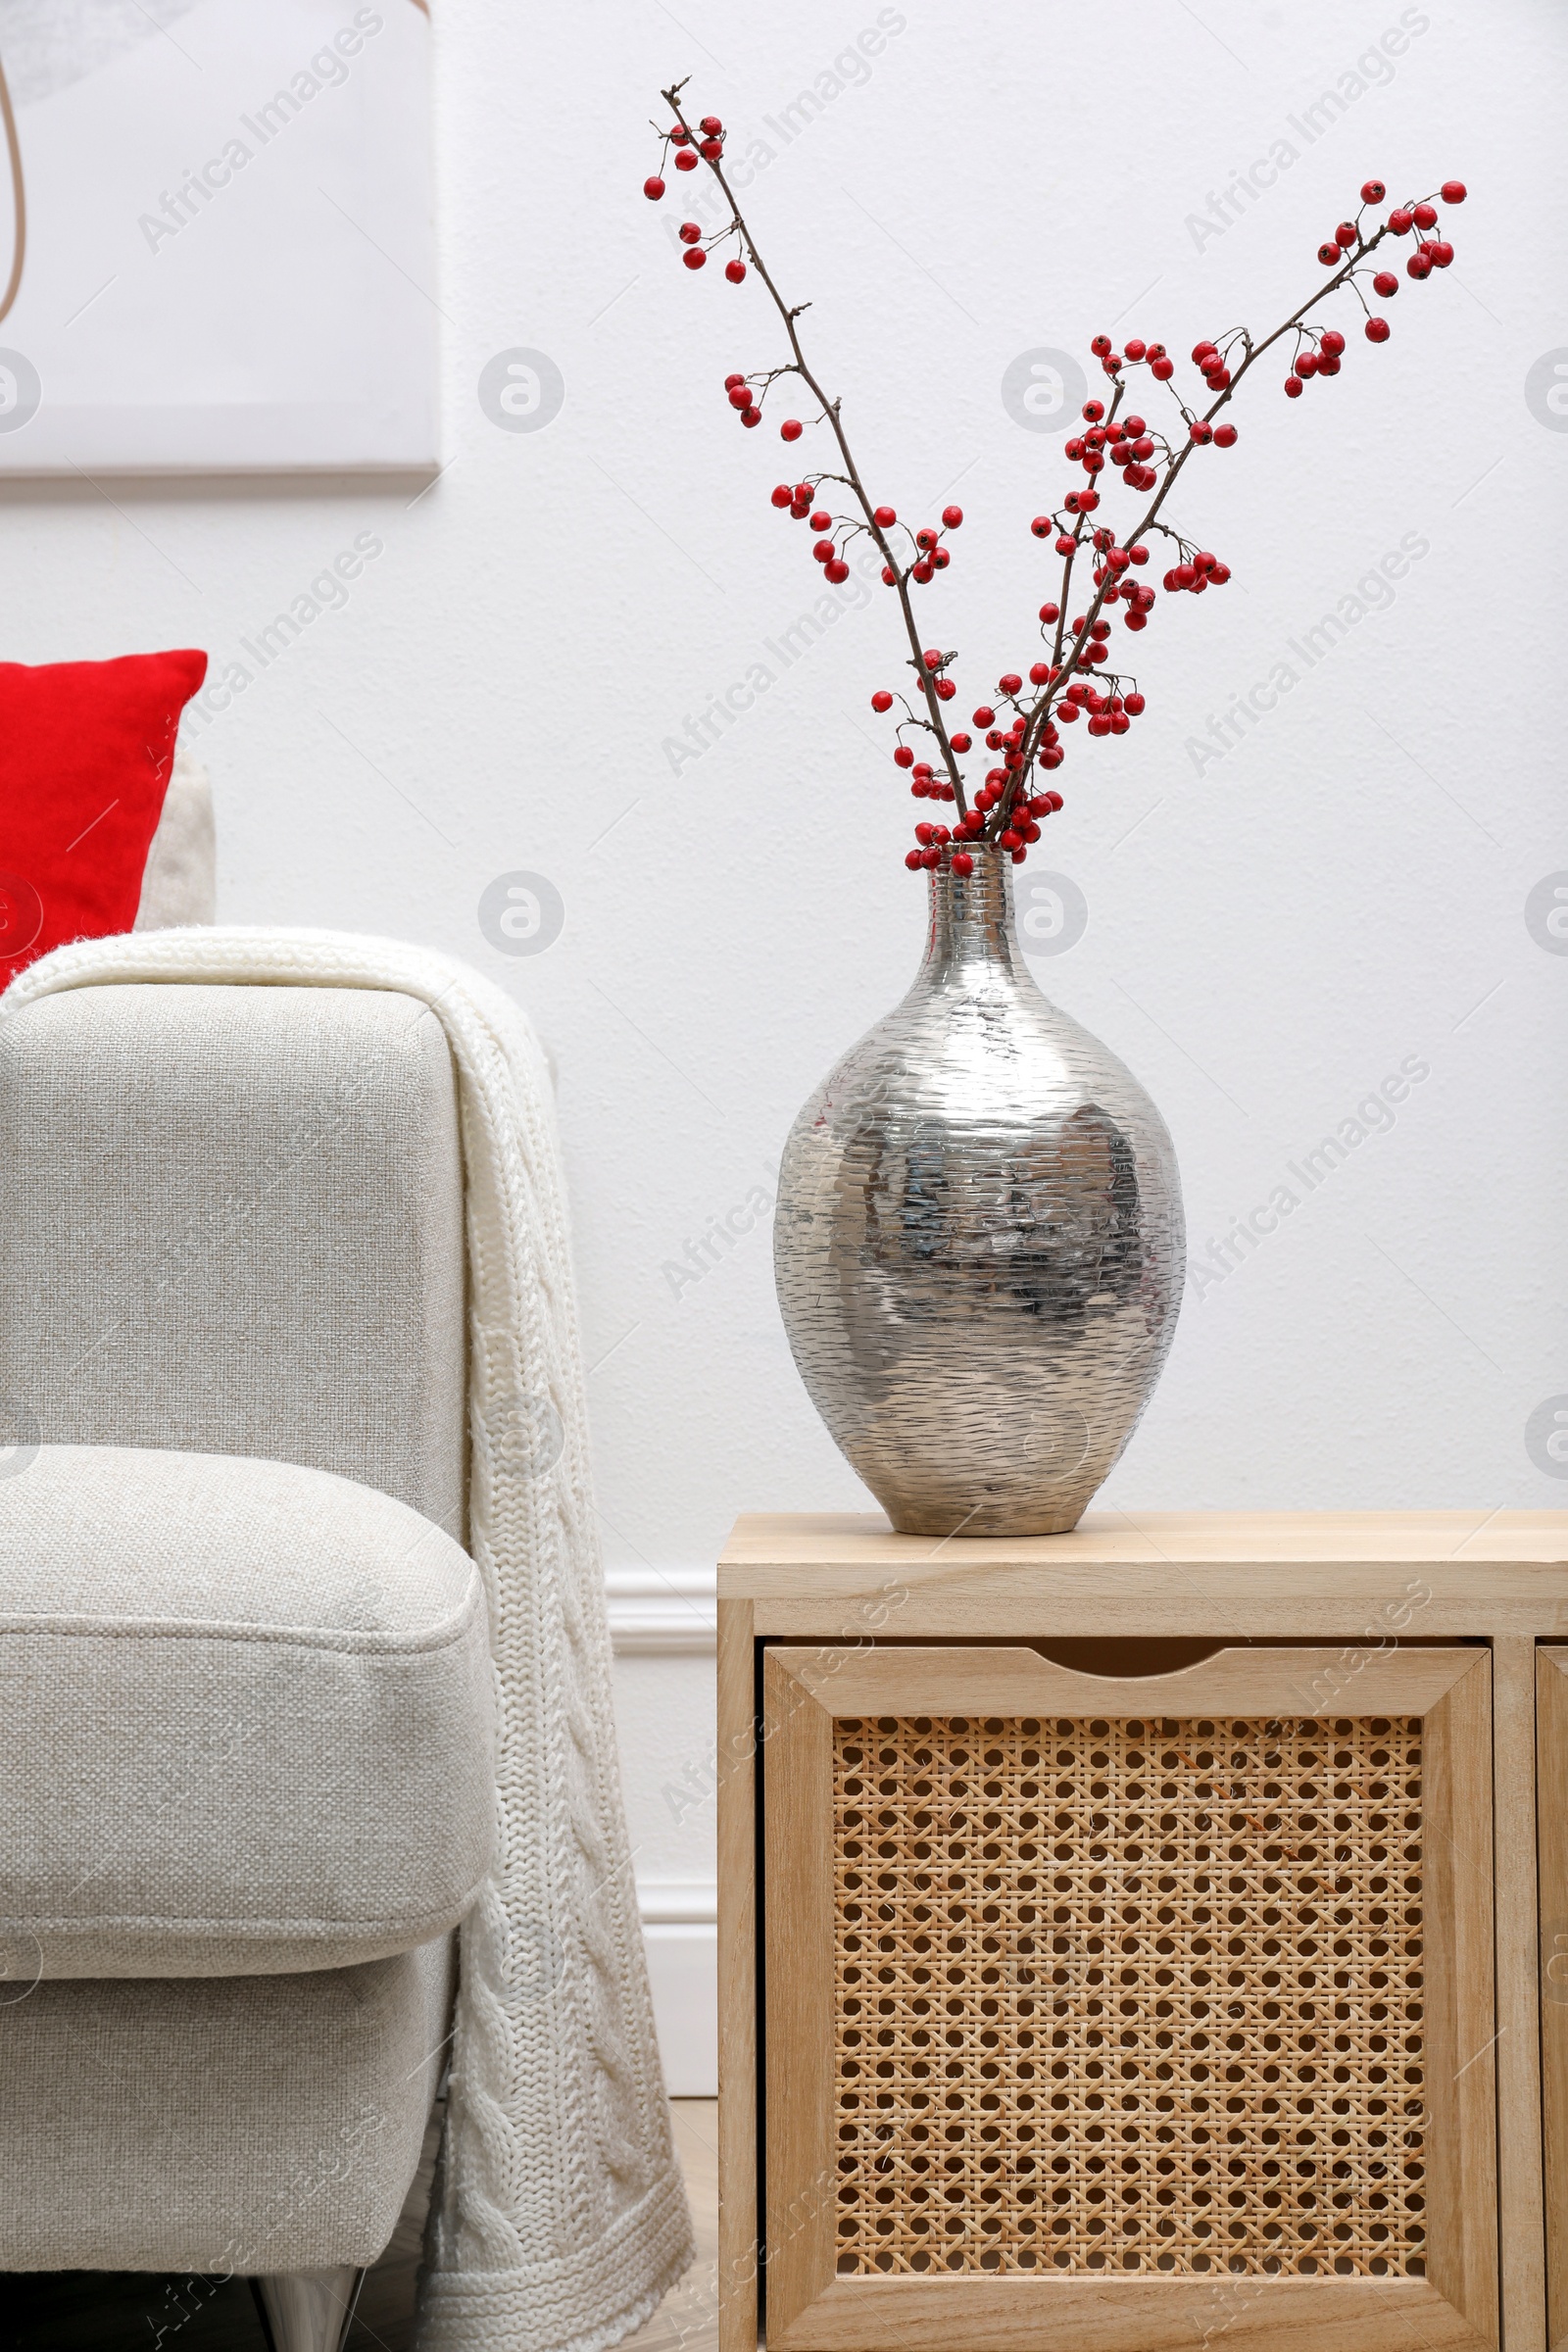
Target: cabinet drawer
[1106,2014]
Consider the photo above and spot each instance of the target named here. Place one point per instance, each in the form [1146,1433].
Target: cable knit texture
[560,2219]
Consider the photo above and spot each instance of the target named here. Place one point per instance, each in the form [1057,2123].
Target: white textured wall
[1272,933]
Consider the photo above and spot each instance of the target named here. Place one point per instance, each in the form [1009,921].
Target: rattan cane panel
[1133,1995]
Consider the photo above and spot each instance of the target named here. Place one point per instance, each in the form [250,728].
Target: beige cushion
[245,2125]
[246,1717]
[179,882]
[231,1222]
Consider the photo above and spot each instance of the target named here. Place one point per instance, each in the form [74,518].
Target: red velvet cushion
[85,753]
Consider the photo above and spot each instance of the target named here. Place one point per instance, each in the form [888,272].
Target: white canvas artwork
[215,236]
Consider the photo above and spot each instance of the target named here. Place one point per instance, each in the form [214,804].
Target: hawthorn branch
[830,415]
[1039,711]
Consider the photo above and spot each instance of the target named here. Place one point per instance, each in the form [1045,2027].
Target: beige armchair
[245,1777]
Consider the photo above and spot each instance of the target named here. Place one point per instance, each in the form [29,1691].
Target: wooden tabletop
[1254,1571]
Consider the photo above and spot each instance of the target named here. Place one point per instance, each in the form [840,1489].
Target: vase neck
[972,922]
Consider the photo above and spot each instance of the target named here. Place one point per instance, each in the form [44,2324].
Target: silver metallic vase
[979,1245]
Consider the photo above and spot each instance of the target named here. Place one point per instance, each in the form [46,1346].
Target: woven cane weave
[1133,1995]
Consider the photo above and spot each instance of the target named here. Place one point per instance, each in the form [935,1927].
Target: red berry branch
[1071,681]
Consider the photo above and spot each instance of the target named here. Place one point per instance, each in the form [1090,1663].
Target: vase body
[979,1244]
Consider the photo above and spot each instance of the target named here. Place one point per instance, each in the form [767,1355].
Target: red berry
[1200,433]
[1009,681]
[1386,284]
[884,517]
[1328,255]
[836,572]
[1162,369]
[1135,704]
[963,863]
[926,539]
[1010,840]
[1424,214]
[735,272]
[984,717]
[1139,555]
[890,579]
[823,551]
[913,861]
[1050,612]
[1333,342]
[1220,575]
[1135,347]
[1439,253]
[712,124]
[712,148]
[961,743]
[791,430]
[1042,526]
[942,559]
[922,571]
[1088,500]
[1224,436]
[750,417]
[1400,221]
[952,516]
[931,857]
[690,233]
[1377,330]
[881,700]
[1203,352]
[653,188]
[924,835]
[904,756]
[694,257]
[1344,235]
[739,396]
[1373,191]
[685,161]
[1452,191]
[1101,345]
[1038,673]
[1093,409]
[1418,266]
[1294,387]
[1306,364]
[679,137]
[946,689]
[782,495]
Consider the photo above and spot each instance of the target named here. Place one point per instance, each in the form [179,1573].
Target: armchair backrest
[231,1222]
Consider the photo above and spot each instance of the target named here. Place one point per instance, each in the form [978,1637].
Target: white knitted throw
[560,2219]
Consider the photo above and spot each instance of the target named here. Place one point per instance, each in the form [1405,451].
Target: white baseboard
[680,1933]
[663,1612]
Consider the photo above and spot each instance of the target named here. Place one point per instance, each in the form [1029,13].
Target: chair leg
[308,2310]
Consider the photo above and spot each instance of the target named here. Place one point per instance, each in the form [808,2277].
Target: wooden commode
[1146,1938]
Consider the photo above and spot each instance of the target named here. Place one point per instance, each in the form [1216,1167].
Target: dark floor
[98,2310]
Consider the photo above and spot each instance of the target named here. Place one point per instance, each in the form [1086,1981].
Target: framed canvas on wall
[215,236]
